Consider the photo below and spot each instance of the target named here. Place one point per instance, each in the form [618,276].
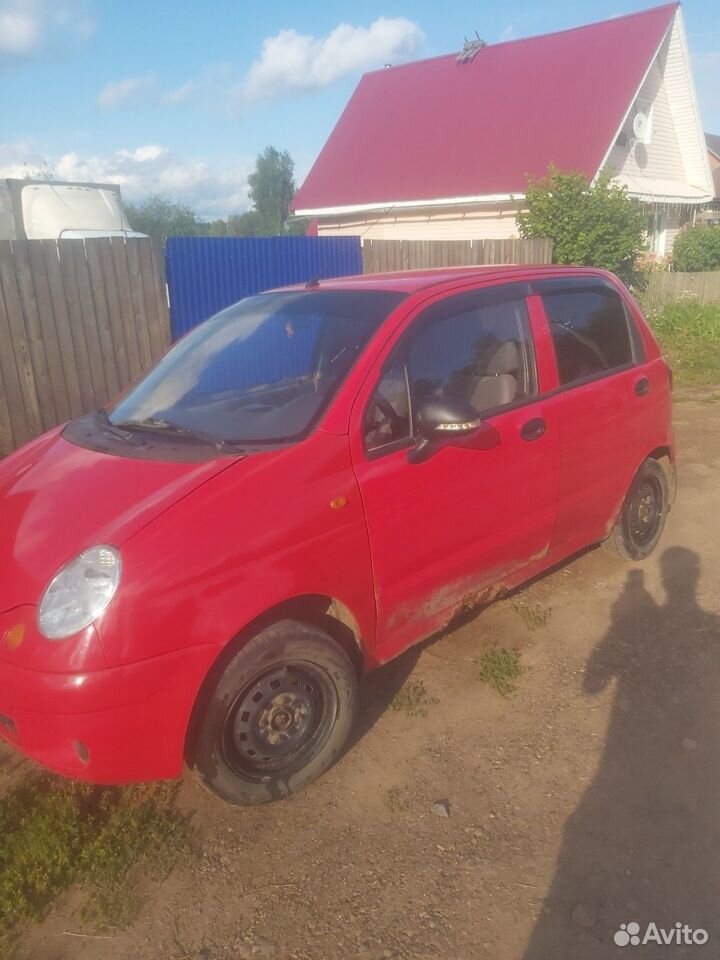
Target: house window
[657,233]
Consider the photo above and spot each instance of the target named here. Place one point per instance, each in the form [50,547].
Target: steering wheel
[389,417]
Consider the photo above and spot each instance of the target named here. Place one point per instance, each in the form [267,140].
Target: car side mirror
[441,421]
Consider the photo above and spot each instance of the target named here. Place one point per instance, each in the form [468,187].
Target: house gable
[670,165]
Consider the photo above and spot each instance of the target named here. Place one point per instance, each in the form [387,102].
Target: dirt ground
[587,799]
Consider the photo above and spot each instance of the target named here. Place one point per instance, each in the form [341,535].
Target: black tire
[279,716]
[643,514]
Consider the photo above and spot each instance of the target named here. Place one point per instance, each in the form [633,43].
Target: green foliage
[501,669]
[594,226]
[54,834]
[697,249]
[689,333]
[413,699]
[272,187]
[161,218]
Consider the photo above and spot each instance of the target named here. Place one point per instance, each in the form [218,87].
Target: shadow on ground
[642,844]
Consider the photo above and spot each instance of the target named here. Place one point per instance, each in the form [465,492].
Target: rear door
[444,531]
[600,401]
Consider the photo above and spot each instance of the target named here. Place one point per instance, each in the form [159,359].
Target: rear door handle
[642,387]
[533,429]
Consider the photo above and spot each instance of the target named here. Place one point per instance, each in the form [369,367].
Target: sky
[178,98]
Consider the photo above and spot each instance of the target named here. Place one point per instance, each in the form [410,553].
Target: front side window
[471,347]
[590,332]
[262,370]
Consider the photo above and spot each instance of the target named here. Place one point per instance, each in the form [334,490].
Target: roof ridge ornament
[470,48]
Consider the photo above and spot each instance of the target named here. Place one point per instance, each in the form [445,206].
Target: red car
[304,486]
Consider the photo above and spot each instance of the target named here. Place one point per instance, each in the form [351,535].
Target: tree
[599,225]
[697,249]
[248,224]
[272,187]
[162,218]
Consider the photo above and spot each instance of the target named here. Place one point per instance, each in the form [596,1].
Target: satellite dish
[641,127]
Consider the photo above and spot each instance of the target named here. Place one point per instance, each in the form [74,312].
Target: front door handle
[533,429]
[642,387]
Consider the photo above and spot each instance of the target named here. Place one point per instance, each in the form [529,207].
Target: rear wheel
[643,515]
[279,717]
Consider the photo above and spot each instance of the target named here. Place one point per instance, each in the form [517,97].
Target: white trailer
[57,210]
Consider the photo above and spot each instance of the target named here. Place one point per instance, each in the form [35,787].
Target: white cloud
[119,92]
[508,33]
[210,188]
[293,62]
[28,27]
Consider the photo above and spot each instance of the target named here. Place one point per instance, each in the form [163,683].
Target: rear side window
[590,332]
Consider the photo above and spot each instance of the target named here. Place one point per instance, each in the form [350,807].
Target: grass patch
[533,615]
[396,801]
[690,336]
[413,699]
[55,834]
[500,669]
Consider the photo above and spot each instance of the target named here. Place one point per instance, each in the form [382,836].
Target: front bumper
[120,725]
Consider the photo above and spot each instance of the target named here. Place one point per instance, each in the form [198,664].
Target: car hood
[57,499]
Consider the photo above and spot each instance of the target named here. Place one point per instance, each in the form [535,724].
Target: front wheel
[643,514]
[279,716]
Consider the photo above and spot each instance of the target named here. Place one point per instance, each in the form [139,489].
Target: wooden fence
[79,320]
[382,256]
[668,287]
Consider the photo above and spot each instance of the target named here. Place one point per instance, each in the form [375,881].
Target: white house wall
[471,225]
[638,165]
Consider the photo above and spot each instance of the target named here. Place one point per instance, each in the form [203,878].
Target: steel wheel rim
[279,720]
[645,511]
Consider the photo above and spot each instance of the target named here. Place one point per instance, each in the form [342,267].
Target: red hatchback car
[304,486]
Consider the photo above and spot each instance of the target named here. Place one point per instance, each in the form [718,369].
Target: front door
[444,532]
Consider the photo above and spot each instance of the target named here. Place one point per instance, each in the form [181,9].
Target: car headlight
[79,593]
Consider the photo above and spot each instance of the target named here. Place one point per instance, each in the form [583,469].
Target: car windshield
[261,371]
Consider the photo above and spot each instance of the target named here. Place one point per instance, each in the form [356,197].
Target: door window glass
[590,332]
[387,417]
[464,347]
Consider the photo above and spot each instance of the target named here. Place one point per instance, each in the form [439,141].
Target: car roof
[411,281]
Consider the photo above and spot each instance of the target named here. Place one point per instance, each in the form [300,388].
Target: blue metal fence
[206,274]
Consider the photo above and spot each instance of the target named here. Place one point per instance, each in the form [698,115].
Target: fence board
[78,320]
[74,251]
[668,287]
[383,256]
[56,373]
[33,331]
[18,343]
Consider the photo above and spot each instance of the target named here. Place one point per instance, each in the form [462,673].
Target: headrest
[506,359]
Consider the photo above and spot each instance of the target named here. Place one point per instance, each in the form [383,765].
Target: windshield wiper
[160,425]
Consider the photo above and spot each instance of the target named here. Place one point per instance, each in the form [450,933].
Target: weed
[396,801]
[689,333]
[413,699]
[54,834]
[532,614]
[501,669]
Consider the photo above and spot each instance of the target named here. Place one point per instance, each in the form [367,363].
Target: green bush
[697,249]
[592,226]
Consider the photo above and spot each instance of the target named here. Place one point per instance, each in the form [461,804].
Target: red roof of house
[439,129]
